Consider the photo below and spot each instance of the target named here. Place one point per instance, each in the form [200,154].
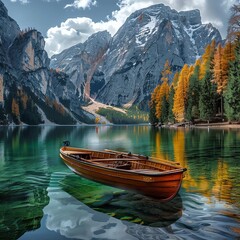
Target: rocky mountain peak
[81,61]
[130,69]
[141,46]
[8,27]
[3,10]
[27,51]
[191,17]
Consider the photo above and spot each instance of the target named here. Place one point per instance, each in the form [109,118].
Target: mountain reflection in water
[38,192]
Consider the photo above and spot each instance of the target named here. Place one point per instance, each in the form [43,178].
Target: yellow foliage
[206,59]
[97,120]
[218,73]
[180,97]
[166,72]
[175,80]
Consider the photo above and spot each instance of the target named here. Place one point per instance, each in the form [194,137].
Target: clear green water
[40,198]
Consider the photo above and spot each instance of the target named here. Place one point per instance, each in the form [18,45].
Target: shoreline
[225,125]
[199,126]
[218,126]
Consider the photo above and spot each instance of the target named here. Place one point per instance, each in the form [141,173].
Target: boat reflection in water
[124,205]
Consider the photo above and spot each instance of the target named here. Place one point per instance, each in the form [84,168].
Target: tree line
[208,88]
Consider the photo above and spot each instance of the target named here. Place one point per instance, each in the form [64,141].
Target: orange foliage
[175,80]
[166,72]
[219,76]
[180,97]
[206,58]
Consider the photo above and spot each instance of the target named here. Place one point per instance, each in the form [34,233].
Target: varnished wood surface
[153,178]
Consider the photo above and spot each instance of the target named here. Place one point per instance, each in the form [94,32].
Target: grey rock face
[131,67]
[64,58]
[82,60]
[9,29]
[27,52]
[149,37]
[24,67]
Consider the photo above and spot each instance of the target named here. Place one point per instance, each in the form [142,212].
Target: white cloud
[21,1]
[76,30]
[82,4]
[71,32]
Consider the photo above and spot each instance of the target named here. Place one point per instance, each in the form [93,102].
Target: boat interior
[126,161]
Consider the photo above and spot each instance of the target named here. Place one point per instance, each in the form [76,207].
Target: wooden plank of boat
[153,178]
[142,156]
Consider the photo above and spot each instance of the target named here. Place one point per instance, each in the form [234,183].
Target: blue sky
[64,23]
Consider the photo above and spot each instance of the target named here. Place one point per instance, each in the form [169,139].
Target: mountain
[122,70]
[81,61]
[131,67]
[31,92]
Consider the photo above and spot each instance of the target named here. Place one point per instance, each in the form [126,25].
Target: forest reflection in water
[32,177]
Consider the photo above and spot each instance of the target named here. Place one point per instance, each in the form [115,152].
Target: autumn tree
[222,57]
[166,72]
[206,59]
[180,98]
[175,80]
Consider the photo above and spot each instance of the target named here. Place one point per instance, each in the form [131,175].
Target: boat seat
[82,155]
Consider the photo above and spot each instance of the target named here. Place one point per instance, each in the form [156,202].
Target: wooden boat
[142,174]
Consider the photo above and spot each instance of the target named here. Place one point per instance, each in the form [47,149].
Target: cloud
[69,33]
[76,30]
[21,1]
[82,4]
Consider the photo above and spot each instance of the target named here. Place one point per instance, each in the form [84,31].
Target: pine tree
[193,95]
[207,97]
[152,114]
[164,107]
[232,94]
[163,91]
[170,104]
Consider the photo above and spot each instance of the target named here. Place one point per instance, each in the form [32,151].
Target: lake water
[40,198]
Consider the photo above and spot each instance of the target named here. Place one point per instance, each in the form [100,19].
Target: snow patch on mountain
[146,31]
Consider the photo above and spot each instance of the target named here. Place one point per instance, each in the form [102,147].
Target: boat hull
[164,185]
